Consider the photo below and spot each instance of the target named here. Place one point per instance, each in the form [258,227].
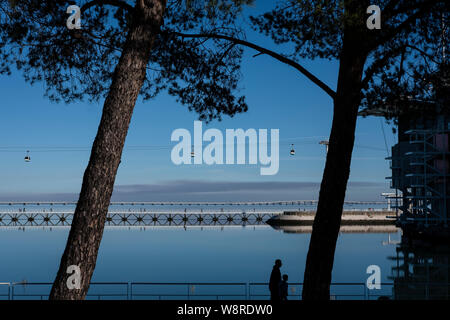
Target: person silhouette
[275,280]
[284,288]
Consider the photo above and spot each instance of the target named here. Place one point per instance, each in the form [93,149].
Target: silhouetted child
[284,288]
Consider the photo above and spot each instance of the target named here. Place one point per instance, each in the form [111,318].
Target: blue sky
[278,96]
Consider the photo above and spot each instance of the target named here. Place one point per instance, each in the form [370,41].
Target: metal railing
[223,291]
[189,291]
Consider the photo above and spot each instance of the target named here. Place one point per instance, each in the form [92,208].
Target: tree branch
[116,3]
[392,32]
[262,50]
[380,64]
[423,53]
[390,9]
[394,53]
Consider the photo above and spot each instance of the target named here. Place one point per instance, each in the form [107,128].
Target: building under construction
[420,164]
[420,174]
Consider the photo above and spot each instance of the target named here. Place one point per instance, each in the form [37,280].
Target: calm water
[175,254]
[226,254]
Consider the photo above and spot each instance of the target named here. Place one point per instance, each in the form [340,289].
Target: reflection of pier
[355,217]
[127,218]
[344,229]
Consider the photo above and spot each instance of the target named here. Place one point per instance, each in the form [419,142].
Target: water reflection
[344,229]
[421,270]
[233,254]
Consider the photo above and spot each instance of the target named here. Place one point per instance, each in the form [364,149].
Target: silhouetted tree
[375,67]
[121,51]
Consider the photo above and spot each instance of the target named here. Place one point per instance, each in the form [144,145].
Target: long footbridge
[144,213]
[191,203]
[139,219]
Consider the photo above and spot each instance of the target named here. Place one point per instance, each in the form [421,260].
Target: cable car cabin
[27,157]
[292,150]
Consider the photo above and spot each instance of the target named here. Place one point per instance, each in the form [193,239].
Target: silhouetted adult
[274,283]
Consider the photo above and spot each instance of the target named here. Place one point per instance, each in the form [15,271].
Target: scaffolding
[420,174]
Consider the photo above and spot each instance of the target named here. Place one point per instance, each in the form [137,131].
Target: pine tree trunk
[320,258]
[98,180]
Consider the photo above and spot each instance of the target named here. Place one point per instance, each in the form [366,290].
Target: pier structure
[58,213]
[189,203]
